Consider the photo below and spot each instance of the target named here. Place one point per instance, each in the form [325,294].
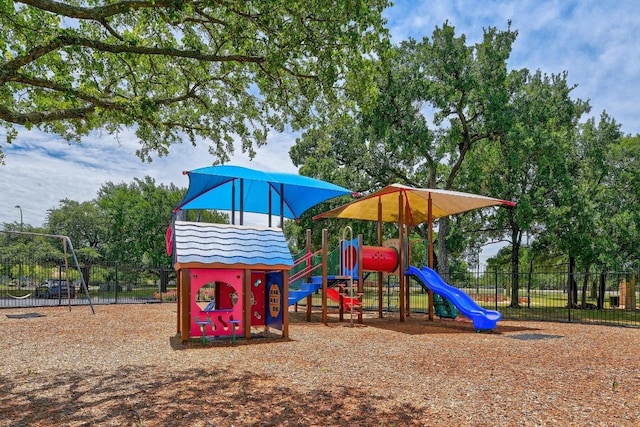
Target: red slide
[347,301]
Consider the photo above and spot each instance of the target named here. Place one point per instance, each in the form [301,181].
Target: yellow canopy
[416,200]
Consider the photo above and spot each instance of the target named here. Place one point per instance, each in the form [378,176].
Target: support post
[380,277]
[325,269]
[360,280]
[246,312]
[178,302]
[269,202]
[233,202]
[401,253]
[185,298]
[285,304]
[405,263]
[241,201]
[430,222]
[308,276]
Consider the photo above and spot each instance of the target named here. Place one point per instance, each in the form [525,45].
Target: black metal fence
[34,283]
[606,297]
[611,297]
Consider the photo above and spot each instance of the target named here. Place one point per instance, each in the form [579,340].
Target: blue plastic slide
[482,318]
[305,290]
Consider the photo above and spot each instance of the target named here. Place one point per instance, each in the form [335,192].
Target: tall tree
[14,246]
[584,209]
[623,201]
[389,138]
[529,163]
[470,92]
[83,223]
[174,70]
[137,215]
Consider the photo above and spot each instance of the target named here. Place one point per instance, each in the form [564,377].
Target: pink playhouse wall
[220,317]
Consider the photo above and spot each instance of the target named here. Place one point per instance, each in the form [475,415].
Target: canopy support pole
[270,202]
[281,205]
[407,258]
[233,202]
[430,235]
[401,286]
[325,273]
[380,301]
[241,201]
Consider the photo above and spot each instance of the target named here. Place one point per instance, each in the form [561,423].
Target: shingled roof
[199,244]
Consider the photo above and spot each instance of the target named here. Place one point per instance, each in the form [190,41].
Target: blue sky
[594,41]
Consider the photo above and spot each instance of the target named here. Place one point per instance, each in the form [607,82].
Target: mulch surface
[125,366]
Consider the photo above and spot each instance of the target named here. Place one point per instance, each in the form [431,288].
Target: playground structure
[246,271]
[357,259]
[345,287]
[244,268]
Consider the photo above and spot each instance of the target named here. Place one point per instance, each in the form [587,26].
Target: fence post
[529,284]
[569,290]
[162,286]
[601,290]
[495,274]
[164,279]
[60,284]
[637,275]
[116,288]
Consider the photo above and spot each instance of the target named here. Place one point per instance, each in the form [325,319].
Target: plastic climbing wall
[228,307]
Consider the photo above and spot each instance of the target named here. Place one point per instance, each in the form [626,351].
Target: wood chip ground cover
[124,366]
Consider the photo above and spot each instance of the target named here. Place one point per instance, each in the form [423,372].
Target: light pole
[20,270]
[19,207]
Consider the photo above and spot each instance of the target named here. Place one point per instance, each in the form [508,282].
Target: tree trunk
[593,290]
[443,250]
[601,289]
[585,285]
[86,270]
[572,287]
[516,239]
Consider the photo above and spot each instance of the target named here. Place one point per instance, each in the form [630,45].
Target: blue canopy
[236,188]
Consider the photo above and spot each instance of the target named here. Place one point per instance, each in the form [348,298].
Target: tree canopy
[178,70]
[136,217]
[434,102]
[448,114]
[125,223]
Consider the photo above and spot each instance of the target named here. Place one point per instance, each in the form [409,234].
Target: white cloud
[595,42]
[41,169]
